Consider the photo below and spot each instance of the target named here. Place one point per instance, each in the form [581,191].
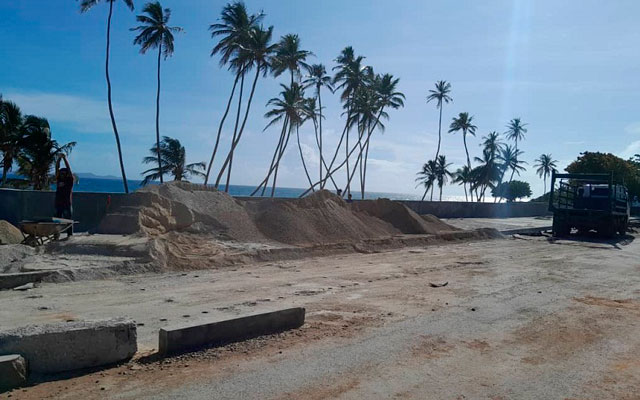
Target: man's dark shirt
[64,186]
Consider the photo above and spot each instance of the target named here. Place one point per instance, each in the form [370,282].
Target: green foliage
[512,190]
[625,172]
[174,158]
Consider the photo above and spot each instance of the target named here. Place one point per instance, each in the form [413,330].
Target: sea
[104,185]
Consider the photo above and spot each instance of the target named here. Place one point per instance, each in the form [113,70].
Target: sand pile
[195,227]
[401,217]
[9,234]
[319,218]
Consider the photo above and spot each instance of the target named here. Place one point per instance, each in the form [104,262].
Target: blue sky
[567,68]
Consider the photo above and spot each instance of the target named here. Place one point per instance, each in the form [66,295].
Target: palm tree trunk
[544,179]
[113,119]
[277,166]
[322,162]
[439,132]
[235,131]
[426,190]
[304,164]
[224,117]
[431,197]
[6,165]
[346,151]
[440,192]
[464,186]
[364,177]
[158,116]
[265,181]
[359,159]
[516,161]
[320,135]
[244,121]
[464,140]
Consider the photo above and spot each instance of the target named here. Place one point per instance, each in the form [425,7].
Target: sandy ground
[525,317]
[502,224]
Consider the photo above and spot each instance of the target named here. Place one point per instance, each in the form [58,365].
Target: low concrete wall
[456,209]
[13,372]
[88,208]
[185,338]
[73,345]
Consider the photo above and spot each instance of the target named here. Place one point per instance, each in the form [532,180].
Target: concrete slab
[13,372]
[504,225]
[185,338]
[74,345]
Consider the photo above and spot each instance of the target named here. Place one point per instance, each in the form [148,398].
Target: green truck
[588,202]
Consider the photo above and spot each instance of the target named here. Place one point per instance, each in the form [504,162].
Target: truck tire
[560,228]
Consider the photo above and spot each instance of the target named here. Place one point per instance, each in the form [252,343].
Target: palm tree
[385,95]
[235,30]
[155,33]
[427,176]
[255,53]
[492,144]
[318,78]
[488,173]
[288,109]
[464,123]
[509,161]
[463,176]
[86,5]
[515,131]
[11,135]
[289,57]
[442,172]
[350,76]
[440,95]
[174,160]
[546,165]
[39,152]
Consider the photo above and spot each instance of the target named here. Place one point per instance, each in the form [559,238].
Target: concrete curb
[185,338]
[73,345]
[13,372]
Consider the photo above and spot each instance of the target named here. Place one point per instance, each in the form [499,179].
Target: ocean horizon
[109,185]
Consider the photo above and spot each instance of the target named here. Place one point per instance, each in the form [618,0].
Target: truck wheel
[624,224]
[560,228]
[608,230]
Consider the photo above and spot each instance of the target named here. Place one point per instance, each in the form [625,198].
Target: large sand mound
[196,227]
[402,217]
[320,218]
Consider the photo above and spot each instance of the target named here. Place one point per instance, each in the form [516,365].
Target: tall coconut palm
[234,30]
[488,173]
[288,56]
[288,109]
[39,152]
[427,177]
[385,96]
[463,176]
[442,172]
[319,78]
[464,123]
[155,33]
[441,96]
[11,135]
[350,75]
[492,144]
[509,158]
[255,54]
[86,5]
[174,161]
[515,131]
[546,165]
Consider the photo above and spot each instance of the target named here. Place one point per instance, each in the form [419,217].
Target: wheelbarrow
[44,230]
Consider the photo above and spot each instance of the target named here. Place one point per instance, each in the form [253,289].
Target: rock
[9,234]
[26,286]
[13,372]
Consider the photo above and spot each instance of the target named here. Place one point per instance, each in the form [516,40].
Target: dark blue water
[102,185]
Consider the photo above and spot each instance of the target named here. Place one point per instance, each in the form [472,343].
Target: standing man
[64,188]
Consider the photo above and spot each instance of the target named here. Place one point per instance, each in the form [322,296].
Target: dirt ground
[523,317]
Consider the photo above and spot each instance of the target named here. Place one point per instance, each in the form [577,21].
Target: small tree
[624,171]
[511,191]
